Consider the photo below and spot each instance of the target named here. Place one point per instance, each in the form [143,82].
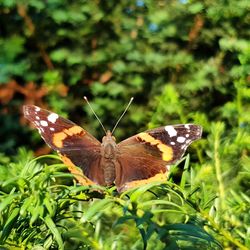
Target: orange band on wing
[132,184]
[78,174]
[167,152]
[59,137]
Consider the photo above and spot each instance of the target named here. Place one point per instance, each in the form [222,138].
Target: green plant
[39,207]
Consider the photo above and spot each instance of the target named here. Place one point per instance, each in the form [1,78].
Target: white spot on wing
[44,123]
[37,109]
[168,167]
[181,139]
[187,135]
[52,129]
[37,117]
[53,117]
[26,111]
[187,126]
[172,143]
[171,131]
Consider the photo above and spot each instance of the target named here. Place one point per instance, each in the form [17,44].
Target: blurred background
[183,61]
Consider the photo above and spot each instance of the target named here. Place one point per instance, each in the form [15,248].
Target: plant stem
[217,164]
[222,231]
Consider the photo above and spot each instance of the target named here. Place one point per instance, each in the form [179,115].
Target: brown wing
[146,156]
[76,146]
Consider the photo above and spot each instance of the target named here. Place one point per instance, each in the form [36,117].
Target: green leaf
[10,224]
[95,208]
[8,200]
[184,175]
[54,230]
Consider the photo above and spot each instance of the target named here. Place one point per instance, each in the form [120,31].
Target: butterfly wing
[146,156]
[75,145]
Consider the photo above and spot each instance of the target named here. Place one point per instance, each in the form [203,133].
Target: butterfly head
[108,138]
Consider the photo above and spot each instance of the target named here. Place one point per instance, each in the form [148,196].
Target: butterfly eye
[113,138]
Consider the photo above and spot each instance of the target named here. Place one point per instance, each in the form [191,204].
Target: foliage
[38,209]
[183,61]
[111,50]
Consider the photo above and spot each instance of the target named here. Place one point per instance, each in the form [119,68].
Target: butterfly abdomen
[109,173]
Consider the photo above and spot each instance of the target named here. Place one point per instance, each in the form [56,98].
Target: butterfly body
[140,159]
[109,164]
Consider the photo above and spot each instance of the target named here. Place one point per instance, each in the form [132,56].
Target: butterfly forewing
[51,126]
[177,138]
[71,141]
[149,153]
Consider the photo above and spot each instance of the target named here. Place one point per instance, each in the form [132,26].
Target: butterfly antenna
[86,99]
[131,99]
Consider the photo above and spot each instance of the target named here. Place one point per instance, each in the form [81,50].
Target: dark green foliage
[37,210]
[39,207]
[183,61]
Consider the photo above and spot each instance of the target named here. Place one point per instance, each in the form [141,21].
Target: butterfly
[140,159]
